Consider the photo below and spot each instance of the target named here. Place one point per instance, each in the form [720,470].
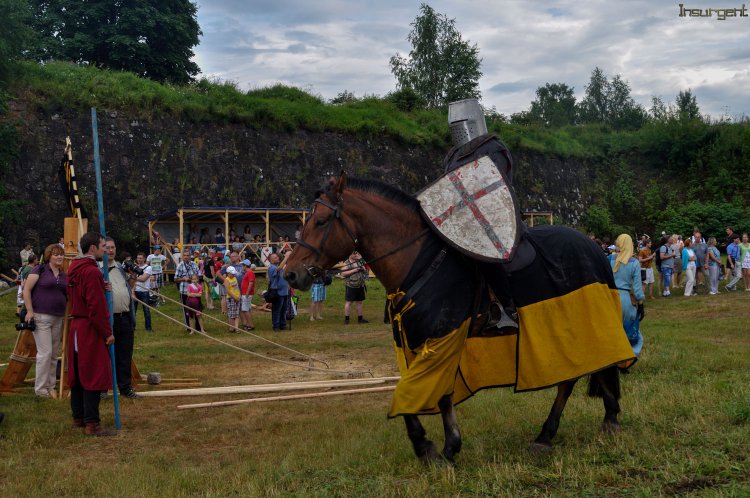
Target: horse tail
[605,382]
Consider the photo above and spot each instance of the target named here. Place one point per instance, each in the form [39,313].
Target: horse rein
[314,271]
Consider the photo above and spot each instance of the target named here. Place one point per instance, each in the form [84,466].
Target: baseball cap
[232,270]
[246,262]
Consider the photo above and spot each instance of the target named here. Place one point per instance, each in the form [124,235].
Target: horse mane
[382,189]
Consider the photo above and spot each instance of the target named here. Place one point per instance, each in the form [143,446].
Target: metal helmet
[466,121]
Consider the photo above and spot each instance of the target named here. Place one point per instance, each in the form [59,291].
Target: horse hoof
[610,427]
[537,448]
[430,455]
[448,459]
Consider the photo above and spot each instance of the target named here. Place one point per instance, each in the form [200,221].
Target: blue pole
[100,204]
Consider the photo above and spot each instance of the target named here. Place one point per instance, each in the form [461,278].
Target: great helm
[466,121]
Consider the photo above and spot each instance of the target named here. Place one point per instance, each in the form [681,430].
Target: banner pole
[100,205]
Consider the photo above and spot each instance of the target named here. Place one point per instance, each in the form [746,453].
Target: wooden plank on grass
[286,398]
[261,388]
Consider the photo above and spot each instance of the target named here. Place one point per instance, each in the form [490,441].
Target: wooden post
[268,227]
[182,230]
[226,228]
[73,230]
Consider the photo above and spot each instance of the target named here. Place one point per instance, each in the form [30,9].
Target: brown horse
[386,227]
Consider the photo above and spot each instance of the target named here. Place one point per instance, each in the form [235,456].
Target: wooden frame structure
[531,216]
[268,222]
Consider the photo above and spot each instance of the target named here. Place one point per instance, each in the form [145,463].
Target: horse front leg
[543,441]
[423,447]
[450,426]
[607,385]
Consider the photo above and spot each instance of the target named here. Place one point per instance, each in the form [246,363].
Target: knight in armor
[472,142]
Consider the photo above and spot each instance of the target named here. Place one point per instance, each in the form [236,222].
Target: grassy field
[685,421]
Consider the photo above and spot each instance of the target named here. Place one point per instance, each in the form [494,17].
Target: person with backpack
[355,276]
[666,260]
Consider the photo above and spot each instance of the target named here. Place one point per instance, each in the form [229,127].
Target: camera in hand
[130,266]
[25,325]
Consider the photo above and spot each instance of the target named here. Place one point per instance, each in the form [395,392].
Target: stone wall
[150,167]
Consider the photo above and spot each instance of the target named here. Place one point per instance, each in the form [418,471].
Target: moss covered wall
[149,167]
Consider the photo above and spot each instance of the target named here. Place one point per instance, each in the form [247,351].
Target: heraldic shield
[474,210]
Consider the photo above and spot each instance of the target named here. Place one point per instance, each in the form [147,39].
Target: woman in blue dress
[627,272]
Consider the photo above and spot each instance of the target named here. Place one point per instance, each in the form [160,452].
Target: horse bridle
[314,270]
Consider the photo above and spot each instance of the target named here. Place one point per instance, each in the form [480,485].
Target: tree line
[151,38]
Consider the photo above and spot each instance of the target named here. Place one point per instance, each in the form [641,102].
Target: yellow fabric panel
[427,374]
[570,336]
[485,362]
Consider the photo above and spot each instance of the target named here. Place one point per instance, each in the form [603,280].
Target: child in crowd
[318,296]
[232,288]
[248,290]
[195,307]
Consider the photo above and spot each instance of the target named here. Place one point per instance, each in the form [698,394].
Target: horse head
[326,237]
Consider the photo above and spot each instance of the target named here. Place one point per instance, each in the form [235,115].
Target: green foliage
[555,105]
[609,102]
[441,66]
[598,220]
[343,98]
[711,218]
[58,86]
[406,99]
[151,38]
[15,35]
[687,105]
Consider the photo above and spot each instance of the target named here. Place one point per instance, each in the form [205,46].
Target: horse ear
[336,186]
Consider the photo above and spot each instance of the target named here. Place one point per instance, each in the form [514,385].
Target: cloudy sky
[327,46]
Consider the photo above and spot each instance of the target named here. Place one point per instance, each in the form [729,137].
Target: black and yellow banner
[70,185]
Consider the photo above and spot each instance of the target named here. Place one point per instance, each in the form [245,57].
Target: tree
[658,109]
[14,32]
[152,38]
[555,105]
[609,102]
[441,66]
[687,105]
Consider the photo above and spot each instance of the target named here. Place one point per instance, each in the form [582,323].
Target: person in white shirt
[142,289]
[157,262]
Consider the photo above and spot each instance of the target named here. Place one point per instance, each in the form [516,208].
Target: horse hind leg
[450,426]
[543,442]
[423,447]
[606,385]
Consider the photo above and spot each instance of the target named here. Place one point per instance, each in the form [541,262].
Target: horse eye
[320,223]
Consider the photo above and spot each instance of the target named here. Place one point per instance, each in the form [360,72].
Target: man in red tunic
[89,369]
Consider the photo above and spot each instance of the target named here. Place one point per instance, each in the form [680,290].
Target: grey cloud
[331,45]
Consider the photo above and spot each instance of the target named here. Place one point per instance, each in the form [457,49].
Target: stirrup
[501,318]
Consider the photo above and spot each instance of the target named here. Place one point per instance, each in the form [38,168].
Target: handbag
[215,290]
[271,295]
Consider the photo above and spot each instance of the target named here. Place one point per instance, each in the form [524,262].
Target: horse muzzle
[299,279]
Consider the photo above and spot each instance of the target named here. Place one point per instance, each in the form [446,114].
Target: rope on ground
[237,329]
[253,353]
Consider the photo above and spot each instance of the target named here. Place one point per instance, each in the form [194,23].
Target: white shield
[474,210]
